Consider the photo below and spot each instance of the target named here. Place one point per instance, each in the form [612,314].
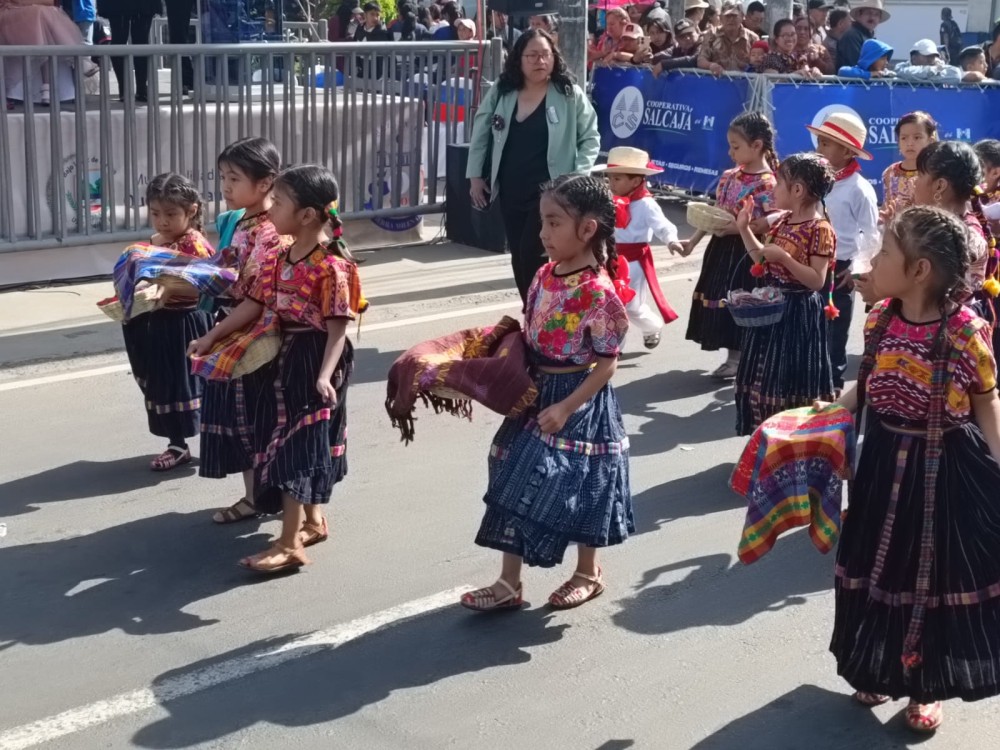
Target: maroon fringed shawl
[488,365]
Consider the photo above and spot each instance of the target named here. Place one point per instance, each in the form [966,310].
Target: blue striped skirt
[547,491]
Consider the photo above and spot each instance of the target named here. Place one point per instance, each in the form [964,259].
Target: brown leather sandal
[314,534]
[241,510]
[870,700]
[283,559]
[571,595]
[484,600]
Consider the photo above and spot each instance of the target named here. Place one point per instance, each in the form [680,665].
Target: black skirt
[227,427]
[300,443]
[156,344]
[877,563]
[726,266]
[785,365]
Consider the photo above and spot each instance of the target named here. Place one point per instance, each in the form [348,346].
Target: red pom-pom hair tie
[757,270]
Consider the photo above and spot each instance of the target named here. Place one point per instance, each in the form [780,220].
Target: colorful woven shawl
[241,352]
[791,474]
[144,262]
[488,365]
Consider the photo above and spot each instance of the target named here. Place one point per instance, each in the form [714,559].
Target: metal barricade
[74,172]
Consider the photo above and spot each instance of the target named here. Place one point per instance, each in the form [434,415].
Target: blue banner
[965,114]
[679,119]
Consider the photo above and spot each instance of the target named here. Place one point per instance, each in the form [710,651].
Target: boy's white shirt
[853,210]
[646,221]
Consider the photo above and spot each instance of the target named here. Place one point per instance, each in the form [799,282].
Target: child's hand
[887,212]
[677,248]
[745,215]
[821,405]
[553,418]
[326,391]
[200,347]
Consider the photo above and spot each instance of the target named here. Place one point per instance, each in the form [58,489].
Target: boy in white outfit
[639,219]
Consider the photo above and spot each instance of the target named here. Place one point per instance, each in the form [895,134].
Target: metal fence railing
[74,170]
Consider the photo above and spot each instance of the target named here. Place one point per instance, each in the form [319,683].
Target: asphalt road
[125,622]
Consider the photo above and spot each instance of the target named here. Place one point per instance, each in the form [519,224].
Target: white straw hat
[871,5]
[846,129]
[627,160]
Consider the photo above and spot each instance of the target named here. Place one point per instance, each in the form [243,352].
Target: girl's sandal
[277,559]
[241,510]
[725,371]
[870,699]
[171,458]
[484,600]
[314,534]
[571,595]
[924,719]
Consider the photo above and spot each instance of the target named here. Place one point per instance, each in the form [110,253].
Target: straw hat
[627,160]
[695,5]
[846,129]
[871,5]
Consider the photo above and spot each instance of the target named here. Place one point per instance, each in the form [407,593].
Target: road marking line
[101,712]
[386,325]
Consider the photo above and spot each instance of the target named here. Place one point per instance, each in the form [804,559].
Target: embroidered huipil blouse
[802,241]
[254,240]
[898,184]
[735,186]
[193,243]
[574,319]
[309,292]
[899,387]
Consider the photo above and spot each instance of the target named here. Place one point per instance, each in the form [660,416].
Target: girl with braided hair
[156,343]
[725,265]
[299,438]
[918,567]
[559,473]
[787,365]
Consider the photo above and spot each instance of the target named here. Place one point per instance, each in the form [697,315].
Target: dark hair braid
[584,196]
[940,237]
[810,170]
[315,187]
[179,191]
[753,126]
[954,162]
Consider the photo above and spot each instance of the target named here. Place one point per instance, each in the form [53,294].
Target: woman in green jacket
[541,126]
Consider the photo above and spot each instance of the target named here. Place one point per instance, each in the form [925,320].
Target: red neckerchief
[853,166]
[622,214]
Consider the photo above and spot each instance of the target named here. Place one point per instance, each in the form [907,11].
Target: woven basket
[757,316]
[708,218]
[146,300]
[259,353]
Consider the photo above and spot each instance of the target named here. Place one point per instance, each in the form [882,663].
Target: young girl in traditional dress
[914,132]
[156,342]
[300,399]
[247,168]
[918,567]
[787,365]
[559,473]
[726,266]
[638,219]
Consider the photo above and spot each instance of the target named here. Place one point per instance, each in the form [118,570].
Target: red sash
[639,252]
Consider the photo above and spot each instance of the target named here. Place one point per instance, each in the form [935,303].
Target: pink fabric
[36,25]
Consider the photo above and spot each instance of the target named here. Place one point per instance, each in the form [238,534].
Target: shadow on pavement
[337,682]
[665,431]
[370,365]
[716,592]
[688,497]
[617,745]
[85,480]
[809,717]
[133,577]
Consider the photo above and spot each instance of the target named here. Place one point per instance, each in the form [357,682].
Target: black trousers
[840,328]
[523,224]
[131,29]
[179,29]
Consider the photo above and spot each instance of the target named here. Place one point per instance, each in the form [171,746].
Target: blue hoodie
[871,52]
